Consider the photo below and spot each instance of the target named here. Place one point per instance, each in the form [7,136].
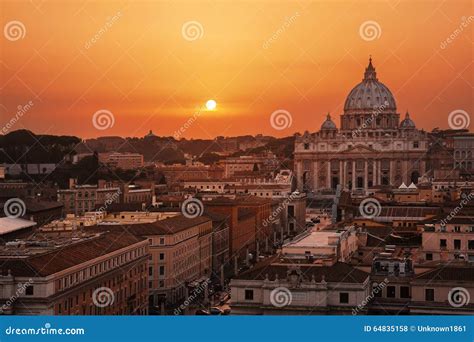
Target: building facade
[371,147]
[78,274]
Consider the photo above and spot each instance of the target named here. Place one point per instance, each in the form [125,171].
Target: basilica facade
[371,147]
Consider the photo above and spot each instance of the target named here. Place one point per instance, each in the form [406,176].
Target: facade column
[374,172]
[341,176]
[316,175]
[405,172]
[328,185]
[345,174]
[366,175]
[391,172]
[379,172]
[299,175]
[353,174]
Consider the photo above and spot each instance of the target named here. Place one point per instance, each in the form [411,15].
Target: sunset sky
[252,57]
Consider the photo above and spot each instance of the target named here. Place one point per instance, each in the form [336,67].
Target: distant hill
[170,150]
[23,146]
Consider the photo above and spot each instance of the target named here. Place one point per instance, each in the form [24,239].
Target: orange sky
[144,71]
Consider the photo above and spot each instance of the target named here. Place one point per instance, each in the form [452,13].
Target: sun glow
[211,105]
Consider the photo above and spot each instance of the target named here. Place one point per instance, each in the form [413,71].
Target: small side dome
[328,125]
[407,123]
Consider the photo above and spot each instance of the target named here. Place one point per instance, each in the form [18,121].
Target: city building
[265,162]
[180,251]
[447,239]
[371,147]
[277,286]
[446,290]
[74,274]
[334,245]
[124,161]
[220,244]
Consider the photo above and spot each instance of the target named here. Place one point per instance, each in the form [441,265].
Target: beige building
[448,240]
[234,165]
[62,274]
[279,287]
[180,253]
[446,290]
[334,245]
[371,147]
[124,161]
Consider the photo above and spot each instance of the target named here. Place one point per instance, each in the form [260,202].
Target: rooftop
[51,257]
[8,224]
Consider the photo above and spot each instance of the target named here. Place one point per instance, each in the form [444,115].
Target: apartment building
[124,161]
[278,287]
[74,274]
[180,253]
[447,240]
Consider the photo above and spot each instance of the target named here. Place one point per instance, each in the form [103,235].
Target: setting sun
[211,105]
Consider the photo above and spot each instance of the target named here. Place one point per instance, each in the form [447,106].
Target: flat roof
[8,224]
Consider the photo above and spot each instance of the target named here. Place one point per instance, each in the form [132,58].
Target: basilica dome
[407,123]
[328,124]
[370,94]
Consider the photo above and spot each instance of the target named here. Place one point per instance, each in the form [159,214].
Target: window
[429,295]
[162,241]
[442,243]
[416,144]
[162,270]
[404,292]
[429,256]
[162,256]
[248,294]
[29,291]
[343,297]
[150,271]
[470,244]
[457,229]
[457,244]
[390,291]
